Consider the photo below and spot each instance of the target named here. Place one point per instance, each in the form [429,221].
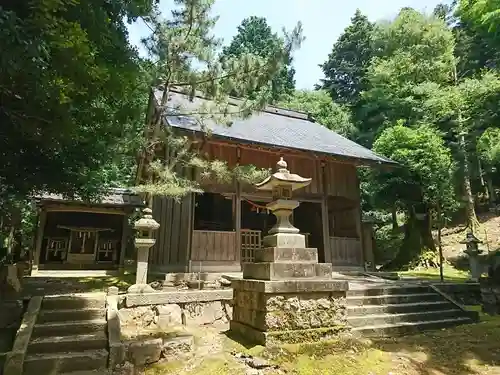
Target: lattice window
[250,240]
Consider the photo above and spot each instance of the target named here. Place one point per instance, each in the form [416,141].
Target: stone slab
[14,360]
[291,285]
[162,298]
[288,240]
[291,337]
[282,271]
[282,254]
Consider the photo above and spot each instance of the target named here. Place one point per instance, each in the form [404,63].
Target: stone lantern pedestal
[285,294]
[143,242]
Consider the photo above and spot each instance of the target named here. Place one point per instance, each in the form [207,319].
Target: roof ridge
[274,109]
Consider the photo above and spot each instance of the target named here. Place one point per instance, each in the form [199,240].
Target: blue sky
[323,21]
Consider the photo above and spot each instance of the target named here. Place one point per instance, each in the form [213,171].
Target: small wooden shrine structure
[219,230]
[73,234]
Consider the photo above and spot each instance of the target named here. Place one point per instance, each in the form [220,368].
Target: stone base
[286,270]
[283,254]
[140,288]
[288,311]
[285,240]
[286,337]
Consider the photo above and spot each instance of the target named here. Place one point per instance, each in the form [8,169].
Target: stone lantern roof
[471,239]
[283,177]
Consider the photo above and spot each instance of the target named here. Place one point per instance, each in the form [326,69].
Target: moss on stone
[304,335]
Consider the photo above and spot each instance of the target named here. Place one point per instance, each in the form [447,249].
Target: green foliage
[256,37]
[414,52]
[387,243]
[68,86]
[425,176]
[345,69]
[320,106]
[489,146]
[180,43]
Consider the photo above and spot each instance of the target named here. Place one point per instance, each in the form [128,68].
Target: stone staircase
[392,310]
[69,337]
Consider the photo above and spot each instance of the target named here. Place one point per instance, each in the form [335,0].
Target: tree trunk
[470,211]
[418,239]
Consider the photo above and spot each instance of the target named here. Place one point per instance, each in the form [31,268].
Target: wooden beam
[39,240]
[96,210]
[279,150]
[123,244]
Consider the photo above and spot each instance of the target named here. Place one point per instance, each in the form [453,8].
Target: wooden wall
[173,238]
[214,246]
[341,178]
[330,178]
[347,252]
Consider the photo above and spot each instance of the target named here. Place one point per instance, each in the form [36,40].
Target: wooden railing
[213,246]
[250,240]
[346,251]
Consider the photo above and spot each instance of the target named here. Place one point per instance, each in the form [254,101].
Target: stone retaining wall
[167,309]
[463,293]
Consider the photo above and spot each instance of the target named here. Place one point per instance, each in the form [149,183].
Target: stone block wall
[163,310]
[273,312]
[463,293]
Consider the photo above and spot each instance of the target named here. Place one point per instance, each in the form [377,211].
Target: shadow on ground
[39,286]
[471,349]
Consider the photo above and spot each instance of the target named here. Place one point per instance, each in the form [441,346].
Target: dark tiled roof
[113,197]
[272,127]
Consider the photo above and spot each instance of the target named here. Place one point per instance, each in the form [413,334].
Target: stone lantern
[144,240]
[282,184]
[286,295]
[472,250]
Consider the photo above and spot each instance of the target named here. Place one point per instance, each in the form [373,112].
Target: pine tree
[255,36]
[345,69]
[179,45]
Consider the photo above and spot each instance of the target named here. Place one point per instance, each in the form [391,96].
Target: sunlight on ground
[466,350]
[451,274]
[122,282]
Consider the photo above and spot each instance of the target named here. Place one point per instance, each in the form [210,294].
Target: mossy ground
[450,273]
[472,349]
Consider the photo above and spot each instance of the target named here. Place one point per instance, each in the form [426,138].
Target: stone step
[389,290]
[398,308]
[410,327]
[47,316]
[69,328]
[389,299]
[60,363]
[55,344]
[74,301]
[422,316]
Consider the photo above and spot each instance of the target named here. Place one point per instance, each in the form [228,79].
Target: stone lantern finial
[282,166]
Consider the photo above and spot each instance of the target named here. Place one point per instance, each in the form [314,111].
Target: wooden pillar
[237,213]
[325,220]
[42,218]
[359,219]
[237,224]
[192,207]
[123,244]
